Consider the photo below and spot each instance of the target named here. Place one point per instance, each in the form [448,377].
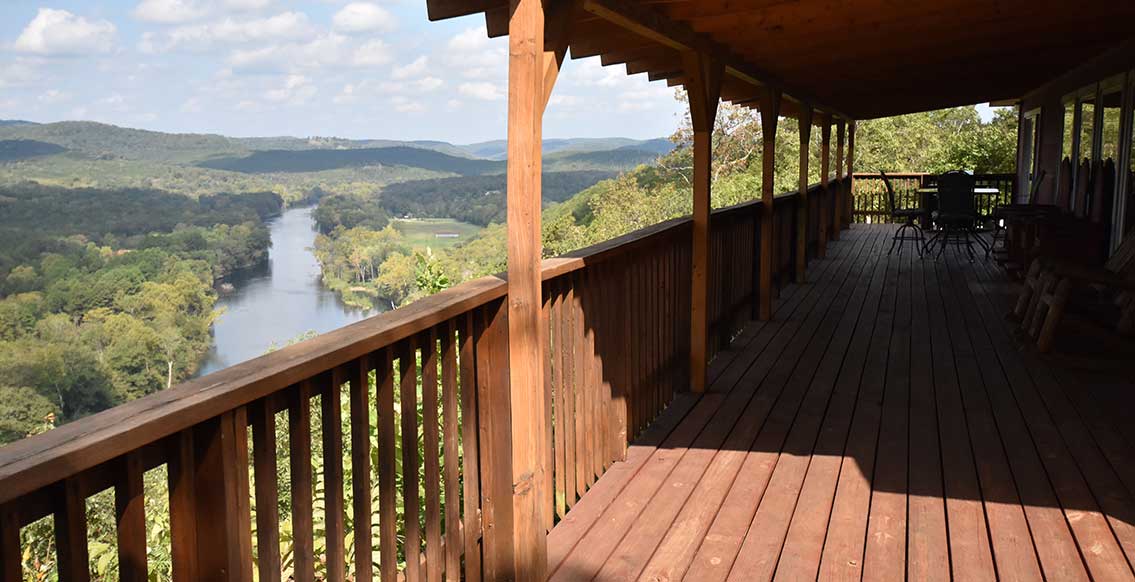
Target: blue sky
[358,69]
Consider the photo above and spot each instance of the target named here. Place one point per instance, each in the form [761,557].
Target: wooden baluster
[580,369]
[434,556]
[299,450]
[567,364]
[409,406]
[470,448]
[267,493]
[548,503]
[631,332]
[182,507]
[130,511]
[824,204]
[595,374]
[449,444]
[555,330]
[590,389]
[360,468]
[838,192]
[71,533]
[243,496]
[495,412]
[616,350]
[387,488]
[221,498]
[330,410]
[11,558]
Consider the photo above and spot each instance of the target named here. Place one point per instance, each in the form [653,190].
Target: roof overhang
[855,59]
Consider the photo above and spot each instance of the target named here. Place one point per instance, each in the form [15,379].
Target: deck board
[884,425]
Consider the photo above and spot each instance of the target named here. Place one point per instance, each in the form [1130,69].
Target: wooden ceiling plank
[678,36]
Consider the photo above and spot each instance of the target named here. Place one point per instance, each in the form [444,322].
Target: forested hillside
[925,142]
[107,295]
[476,199]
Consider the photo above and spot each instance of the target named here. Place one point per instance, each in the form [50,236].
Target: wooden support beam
[556,39]
[805,122]
[527,332]
[704,90]
[850,171]
[770,113]
[838,194]
[822,208]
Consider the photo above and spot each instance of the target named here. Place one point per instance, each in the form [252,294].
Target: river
[279,300]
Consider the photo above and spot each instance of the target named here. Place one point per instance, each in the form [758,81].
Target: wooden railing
[870,193]
[345,414]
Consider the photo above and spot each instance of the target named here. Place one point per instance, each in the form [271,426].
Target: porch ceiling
[861,58]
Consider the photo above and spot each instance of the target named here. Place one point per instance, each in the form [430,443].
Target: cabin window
[1030,142]
[1069,137]
[1125,215]
[1112,104]
[1087,128]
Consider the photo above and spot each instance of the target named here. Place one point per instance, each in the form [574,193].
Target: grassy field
[423,232]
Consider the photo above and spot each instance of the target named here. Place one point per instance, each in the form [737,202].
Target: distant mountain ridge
[100,139]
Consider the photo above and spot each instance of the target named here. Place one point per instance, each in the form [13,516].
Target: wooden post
[838,203]
[704,90]
[850,172]
[770,113]
[223,522]
[527,333]
[804,117]
[825,173]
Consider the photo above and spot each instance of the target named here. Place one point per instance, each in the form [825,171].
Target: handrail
[627,299]
[869,193]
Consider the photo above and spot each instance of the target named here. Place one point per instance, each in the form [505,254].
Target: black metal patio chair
[956,216]
[910,230]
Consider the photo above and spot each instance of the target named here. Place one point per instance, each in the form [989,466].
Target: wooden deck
[885,425]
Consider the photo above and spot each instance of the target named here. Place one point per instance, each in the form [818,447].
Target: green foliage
[428,274]
[476,199]
[349,211]
[293,161]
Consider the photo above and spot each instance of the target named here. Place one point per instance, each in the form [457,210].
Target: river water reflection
[278,301]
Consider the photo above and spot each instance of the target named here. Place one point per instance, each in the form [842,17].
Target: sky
[343,68]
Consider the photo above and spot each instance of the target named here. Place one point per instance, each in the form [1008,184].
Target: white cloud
[18,73]
[453,104]
[348,94]
[169,11]
[406,105]
[59,32]
[565,101]
[363,17]
[53,96]
[297,89]
[414,69]
[192,105]
[372,54]
[247,4]
[485,91]
[283,27]
[590,72]
[476,56]
[328,51]
[428,84]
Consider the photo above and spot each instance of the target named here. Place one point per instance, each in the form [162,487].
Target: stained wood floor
[884,426]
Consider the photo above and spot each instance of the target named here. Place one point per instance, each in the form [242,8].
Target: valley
[131,260]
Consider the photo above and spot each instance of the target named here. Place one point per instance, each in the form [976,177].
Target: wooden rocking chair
[1052,285]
